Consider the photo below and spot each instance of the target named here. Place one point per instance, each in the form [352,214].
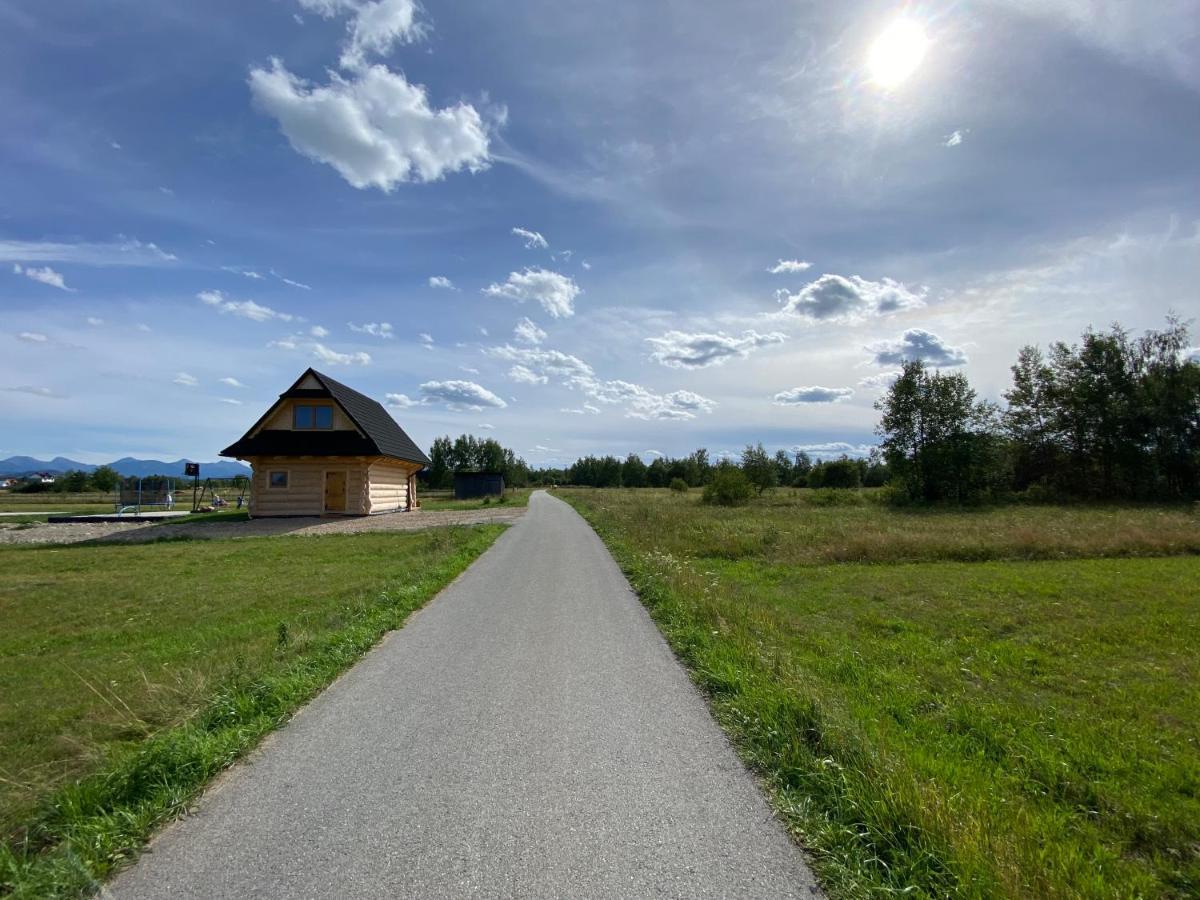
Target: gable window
[278,479]
[306,417]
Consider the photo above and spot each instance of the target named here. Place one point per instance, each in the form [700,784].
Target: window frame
[287,479]
[313,409]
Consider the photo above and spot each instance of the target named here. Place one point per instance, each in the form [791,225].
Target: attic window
[305,417]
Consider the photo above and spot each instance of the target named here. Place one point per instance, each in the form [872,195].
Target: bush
[679,486]
[729,487]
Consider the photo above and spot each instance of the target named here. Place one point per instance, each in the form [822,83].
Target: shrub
[679,486]
[729,487]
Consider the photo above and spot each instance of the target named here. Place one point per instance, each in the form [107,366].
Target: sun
[896,53]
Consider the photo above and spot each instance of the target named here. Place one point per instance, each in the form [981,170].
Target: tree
[656,473]
[800,469]
[71,482]
[783,468]
[440,471]
[759,468]
[1029,419]
[728,487]
[105,479]
[634,472]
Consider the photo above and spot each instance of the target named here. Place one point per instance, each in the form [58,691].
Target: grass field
[437,500]
[130,674]
[1001,702]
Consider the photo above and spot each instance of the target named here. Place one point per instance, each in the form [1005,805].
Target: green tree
[71,482]
[441,474]
[105,479]
[728,487]
[634,472]
[759,468]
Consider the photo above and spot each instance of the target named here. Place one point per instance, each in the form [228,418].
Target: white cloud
[555,292]
[399,401]
[523,375]
[836,297]
[333,358]
[652,453]
[231,382]
[44,275]
[376,329]
[642,403]
[486,426]
[297,284]
[442,282]
[917,344]
[788,266]
[814,394]
[32,337]
[125,252]
[680,350]
[374,26]
[248,273]
[143,327]
[319,331]
[879,382]
[460,395]
[246,309]
[186,380]
[230,400]
[954,138]
[375,128]
[95,321]
[587,265]
[284,343]
[533,239]
[544,362]
[35,391]
[1192,354]
[834,449]
[470,370]
[527,332]
[426,340]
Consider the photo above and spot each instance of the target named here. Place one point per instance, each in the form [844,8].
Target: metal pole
[195,487]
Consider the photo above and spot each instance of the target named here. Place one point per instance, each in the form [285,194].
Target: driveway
[528,734]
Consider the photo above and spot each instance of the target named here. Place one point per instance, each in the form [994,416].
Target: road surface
[528,734]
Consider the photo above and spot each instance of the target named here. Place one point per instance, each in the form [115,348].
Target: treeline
[467,453]
[1113,417]
[74,481]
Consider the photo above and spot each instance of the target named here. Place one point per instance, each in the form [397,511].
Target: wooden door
[335,491]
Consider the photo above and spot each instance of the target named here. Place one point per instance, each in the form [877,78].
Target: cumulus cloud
[533,239]
[319,331]
[376,329]
[32,337]
[231,382]
[374,128]
[555,292]
[814,394]
[879,382]
[186,380]
[834,450]
[789,266]
[543,362]
[246,309]
[334,358]
[681,350]
[525,375]
[399,401]
[643,403]
[836,297]
[460,395]
[527,332]
[442,282]
[373,28]
[44,275]
[917,344]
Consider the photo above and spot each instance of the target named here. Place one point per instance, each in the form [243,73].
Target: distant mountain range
[140,468]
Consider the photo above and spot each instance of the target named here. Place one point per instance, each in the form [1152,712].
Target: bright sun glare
[897,52]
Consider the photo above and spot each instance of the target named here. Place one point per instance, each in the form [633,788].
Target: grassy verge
[944,728]
[512,497]
[130,675]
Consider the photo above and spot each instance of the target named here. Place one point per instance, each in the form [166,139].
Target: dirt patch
[140,532]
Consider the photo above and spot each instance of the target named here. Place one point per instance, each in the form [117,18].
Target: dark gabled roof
[380,435]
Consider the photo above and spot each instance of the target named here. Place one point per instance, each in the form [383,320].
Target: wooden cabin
[325,449]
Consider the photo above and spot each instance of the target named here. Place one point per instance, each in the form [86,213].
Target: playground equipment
[134,494]
[240,483]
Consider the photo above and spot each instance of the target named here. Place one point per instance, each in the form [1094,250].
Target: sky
[577,228]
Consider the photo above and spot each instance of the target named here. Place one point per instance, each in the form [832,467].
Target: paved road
[528,734]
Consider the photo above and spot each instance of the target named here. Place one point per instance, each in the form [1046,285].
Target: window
[278,479]
[306,417]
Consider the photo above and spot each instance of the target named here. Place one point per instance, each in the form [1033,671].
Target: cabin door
[335,491]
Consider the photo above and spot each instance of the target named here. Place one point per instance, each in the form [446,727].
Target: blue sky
[621,227]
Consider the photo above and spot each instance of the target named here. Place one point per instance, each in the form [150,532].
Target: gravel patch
[140,532]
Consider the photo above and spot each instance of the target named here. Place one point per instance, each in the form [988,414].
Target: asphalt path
[528,734]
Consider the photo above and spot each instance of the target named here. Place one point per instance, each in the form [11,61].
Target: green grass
[131,674]
[1023,725]
[440,501]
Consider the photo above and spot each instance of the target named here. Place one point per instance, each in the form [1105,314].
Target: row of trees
[467,453]
[1113,417]
[75,481]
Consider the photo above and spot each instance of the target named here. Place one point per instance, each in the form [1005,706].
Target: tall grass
[1020,726]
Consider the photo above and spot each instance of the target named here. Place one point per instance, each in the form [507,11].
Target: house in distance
[325,449]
